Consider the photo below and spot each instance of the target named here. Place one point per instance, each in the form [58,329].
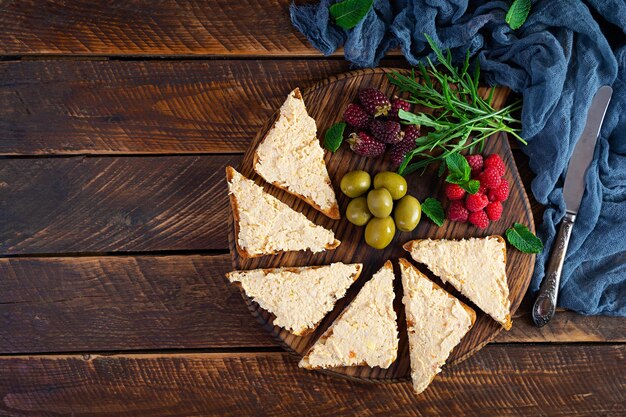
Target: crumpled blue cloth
[557,60]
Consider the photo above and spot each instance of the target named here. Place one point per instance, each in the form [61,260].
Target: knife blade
[574,186]
[573,190]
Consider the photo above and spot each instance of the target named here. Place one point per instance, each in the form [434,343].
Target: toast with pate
[265,225]
[476,267]
[291,158]
[366,332]
[299,297]
[436,322]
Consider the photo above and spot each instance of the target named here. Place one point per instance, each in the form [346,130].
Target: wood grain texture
[163,27]
[84,204]
[62,205]
[122,303]
[565,381]
[109,303]
[565,327]
[113,204]
[152,302]
[325,103]
[105,107]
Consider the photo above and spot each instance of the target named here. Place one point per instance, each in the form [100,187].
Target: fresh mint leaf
[432,208]
[459,170]
[349,13]
[471,186]
[518,13]
[334,136]
[523,239]
[455,179]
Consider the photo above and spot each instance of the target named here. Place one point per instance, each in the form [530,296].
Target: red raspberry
[479,219]
[365,145]
[475,162]
[490,178]
[482,189]
[457,213]
[494,161]
[374,101]
[397,104]
[454,192]
[494,210]
[356,116]
[386,131]
[476,202]
[501,193]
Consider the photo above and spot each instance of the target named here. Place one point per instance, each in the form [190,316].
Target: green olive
[355,183]
[407,213]
[379,202]
[379,232]
[357,212]
[392,182]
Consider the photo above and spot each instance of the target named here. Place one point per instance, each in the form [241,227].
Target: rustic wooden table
[116,121]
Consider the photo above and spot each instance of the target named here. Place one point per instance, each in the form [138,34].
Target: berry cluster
[377,126]
[486,205]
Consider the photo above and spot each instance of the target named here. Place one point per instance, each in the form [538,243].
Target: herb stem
[463,119]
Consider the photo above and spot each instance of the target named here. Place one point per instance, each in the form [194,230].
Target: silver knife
[573,190]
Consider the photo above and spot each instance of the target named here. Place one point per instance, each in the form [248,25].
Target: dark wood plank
[165,27]
[102,107]
[122,303]
[498,381]
[85,204]
[565,327]
[173,302]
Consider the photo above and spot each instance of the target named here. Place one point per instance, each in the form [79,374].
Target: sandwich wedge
[366,332]
[291,158]
[476,267]
[299,297]
[436,322]
[265,225]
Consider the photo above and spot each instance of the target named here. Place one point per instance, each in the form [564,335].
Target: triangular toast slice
[436,322]
[265,225]
[299,297]
[291,158]
[366,332]
[476,267]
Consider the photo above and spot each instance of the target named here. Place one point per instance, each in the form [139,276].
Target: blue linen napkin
[557,60]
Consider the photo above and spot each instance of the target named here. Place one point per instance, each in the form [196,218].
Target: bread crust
[230,173]
[333,211]
[266,271]
[507,324]
[304,362]
[467,308]
[507,319]
[235,209]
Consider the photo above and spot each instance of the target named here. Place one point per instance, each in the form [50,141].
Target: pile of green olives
[373,208]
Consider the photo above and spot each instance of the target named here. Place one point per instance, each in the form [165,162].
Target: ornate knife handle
[544,307]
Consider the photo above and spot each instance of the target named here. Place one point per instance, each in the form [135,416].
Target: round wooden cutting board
[325,102]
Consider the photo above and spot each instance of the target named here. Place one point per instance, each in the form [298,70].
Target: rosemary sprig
[462,119]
